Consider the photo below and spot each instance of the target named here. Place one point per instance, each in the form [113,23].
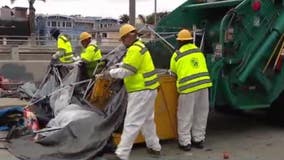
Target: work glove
[54,56]
[105,75]
[171,73]
[58,54]
[76,58]
[117,65]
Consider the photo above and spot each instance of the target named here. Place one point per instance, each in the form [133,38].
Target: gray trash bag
[67,115]
[61,99]
[27,90]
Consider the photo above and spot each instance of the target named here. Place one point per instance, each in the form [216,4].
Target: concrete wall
[29,63]
[24,70]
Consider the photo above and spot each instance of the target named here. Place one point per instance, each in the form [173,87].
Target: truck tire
[276,111]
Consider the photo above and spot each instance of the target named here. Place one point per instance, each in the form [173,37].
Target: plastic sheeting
[82,130]
[11,116]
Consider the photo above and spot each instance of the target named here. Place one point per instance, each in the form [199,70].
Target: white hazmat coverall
[192,116]
[139,115]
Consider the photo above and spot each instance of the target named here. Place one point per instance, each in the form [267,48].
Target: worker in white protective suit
[189,65]
[141,82]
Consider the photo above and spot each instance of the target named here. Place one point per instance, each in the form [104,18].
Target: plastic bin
[165,110]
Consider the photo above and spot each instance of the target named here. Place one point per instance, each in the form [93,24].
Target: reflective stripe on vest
[63,38]
[143,49]
[61,49]
[195,84]
[191,77]
[151,82]
[180,55]
[68,58]
[66,48]
[145,76]
[129,67]
[149,74]
[192,80]
[96,47]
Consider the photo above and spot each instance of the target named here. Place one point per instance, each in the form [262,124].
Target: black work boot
[199,144]
[185,147]
[114,157]
[153,152]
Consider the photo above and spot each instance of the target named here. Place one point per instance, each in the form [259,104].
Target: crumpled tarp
[27,90]
[83,129]
[11,116]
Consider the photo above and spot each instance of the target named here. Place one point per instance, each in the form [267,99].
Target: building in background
[106,29]
[71,25]
[14,22]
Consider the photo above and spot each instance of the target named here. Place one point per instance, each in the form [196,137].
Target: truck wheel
[228,110]
[275,113]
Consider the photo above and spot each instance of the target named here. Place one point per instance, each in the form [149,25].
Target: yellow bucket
[165,110]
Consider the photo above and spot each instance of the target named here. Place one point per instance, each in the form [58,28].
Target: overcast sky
[103,8]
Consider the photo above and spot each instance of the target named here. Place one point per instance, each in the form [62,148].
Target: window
[53,24]
[68,24]
[101,25]
[104,35]
[48,23]
[58,24]
[63,24]
[105,25]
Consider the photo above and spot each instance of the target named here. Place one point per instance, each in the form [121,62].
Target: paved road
[245,137]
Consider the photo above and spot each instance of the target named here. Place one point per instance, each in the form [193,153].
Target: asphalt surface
[243,136]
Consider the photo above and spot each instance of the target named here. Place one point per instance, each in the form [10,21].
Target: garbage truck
[243,43]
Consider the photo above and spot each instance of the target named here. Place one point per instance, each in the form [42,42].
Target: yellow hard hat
[125,29]
[85,35]
[184,35]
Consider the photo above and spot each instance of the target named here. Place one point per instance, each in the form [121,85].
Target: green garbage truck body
[243,44]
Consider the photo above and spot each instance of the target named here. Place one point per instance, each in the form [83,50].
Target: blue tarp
[7,120]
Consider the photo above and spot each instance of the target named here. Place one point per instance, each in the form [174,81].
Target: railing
[41,48]
[43,40]
[24,40]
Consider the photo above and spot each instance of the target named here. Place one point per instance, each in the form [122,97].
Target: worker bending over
[91,53]
[64,47]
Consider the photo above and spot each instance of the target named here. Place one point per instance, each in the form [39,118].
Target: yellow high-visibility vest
[64,45]
[91,55]
[139,61]
[189,64]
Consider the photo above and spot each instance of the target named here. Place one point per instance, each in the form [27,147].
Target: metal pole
[155,12]
[152,30]
[132,8]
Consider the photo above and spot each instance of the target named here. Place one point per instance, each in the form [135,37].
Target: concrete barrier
[29,63]
[30,70]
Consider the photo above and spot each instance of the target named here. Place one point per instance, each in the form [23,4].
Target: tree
[151,18]
[31,14]
[123,19]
